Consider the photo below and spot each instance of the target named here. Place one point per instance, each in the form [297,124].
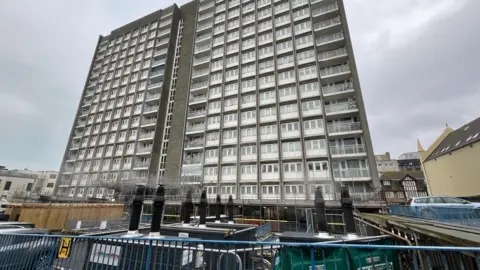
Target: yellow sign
[64,250]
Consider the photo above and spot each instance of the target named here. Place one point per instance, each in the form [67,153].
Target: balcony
[270,155]
[144,150]
[192,160]
[318,174]
[201,60]
[156,73]
[205,7]
[158,63]
[268,118]
[270,176]
[201,49]
[197,114]
[195,128]
[269,136]
[329,26]
[248,177]
[319,152]
[200,73]
[141,165]
[334,74]
[159,52]
[333,57]
[148,121]
[341,109]
[203,38]
[324,12]
[199,86]
[153,96]
[348,151]
[147,135]
[344,129]
[155,85]
[351,175]
[149,109]
[197,99]
[338,90]
[330,42]
[194,144]
[74,145]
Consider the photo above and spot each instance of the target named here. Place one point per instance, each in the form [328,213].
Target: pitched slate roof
[464,136]
[394,175]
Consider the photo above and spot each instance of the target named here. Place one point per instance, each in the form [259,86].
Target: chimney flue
[347,207]
[188,209]
[137,204]
[218,209]
[158,205]
[203,209]
[230,209]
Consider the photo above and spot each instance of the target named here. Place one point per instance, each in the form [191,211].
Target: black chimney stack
[158,204]
[203,209]
[230,209]
[347,207]
[188,209]
[137,204]
[218,209]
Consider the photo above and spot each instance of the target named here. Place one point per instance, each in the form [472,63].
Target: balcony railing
[329,38]
[195,128]
[347,149]
[199,85]
[144,149]
[159,52]
[344,127]
[200,72]
[158,62]
[201,48]
[195,143]
[147,135]
[197,113]
[192,161]
[151,109]
[331,54]
[325,9]
[330,89]
[341,107]
[201,59]
[351,173]
[149,121]
[141,164]
[327,23]
[153,96]
[198,98]
[153,85]
[334,70]
[205,16]
[74,145]
[156,73]
[206,7]
[81,123]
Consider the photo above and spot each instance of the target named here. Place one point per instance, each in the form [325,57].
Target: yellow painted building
[452,163]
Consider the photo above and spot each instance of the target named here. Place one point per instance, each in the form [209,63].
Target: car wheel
[41,263]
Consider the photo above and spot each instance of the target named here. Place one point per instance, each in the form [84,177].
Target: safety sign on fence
[64,250]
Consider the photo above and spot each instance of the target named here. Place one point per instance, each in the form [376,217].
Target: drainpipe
[203,210]
[158,205]
[218,209]
[137,205]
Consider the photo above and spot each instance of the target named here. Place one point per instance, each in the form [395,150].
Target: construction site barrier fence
[84,252]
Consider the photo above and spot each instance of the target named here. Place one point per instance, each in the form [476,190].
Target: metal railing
[40,251]
[351,173]
[327,23]
[329,38]
[340,107]
[196,143]
[347,149]
[333,53]
[197,98]
[324,9]
[196,128]
[334,70]
[457,215]
[344,127]
[330,89]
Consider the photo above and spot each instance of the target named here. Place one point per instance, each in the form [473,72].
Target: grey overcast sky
[417,59]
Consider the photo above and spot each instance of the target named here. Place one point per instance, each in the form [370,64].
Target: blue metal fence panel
[455,215]
[83,252]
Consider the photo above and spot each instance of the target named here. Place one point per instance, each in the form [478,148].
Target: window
[265,38]
[230,151]
[249,150]
[386,183]
[248,190]
[309,87]
[311,105]
[212,171]
[248,68]
[283,32]
[286,127]
[389,194]
[289,108]
[229,170]
[303,40]
[230,88]
[29,187]
[249,115]
[400,195]
[248,42]
[315,144]
[317,166]
[299,13]
[246,132]
[265,51]
[214,105]
[305,55]
[265,65]
[249,169]
[230,117]
[232,60]
[270,190]
[230,134]
[285,60]
[230,102]
[272,111]
[264,12]
[302,26]
[284,18]
[269,168]
[212,136]
[287,91]
[267,95]
[50,185]
[306,71]
[287,45]
[248,56]
[269,148]
[312,124]
[214,120]
[293,167]
[231,73]
[266,80]
[271,129]
[211,153]
[248,98]
[291,147]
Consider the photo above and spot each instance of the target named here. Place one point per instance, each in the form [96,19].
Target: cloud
[417,63]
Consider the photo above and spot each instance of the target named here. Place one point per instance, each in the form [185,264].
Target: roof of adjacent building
[461,137]
[399,175]
[409,155]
